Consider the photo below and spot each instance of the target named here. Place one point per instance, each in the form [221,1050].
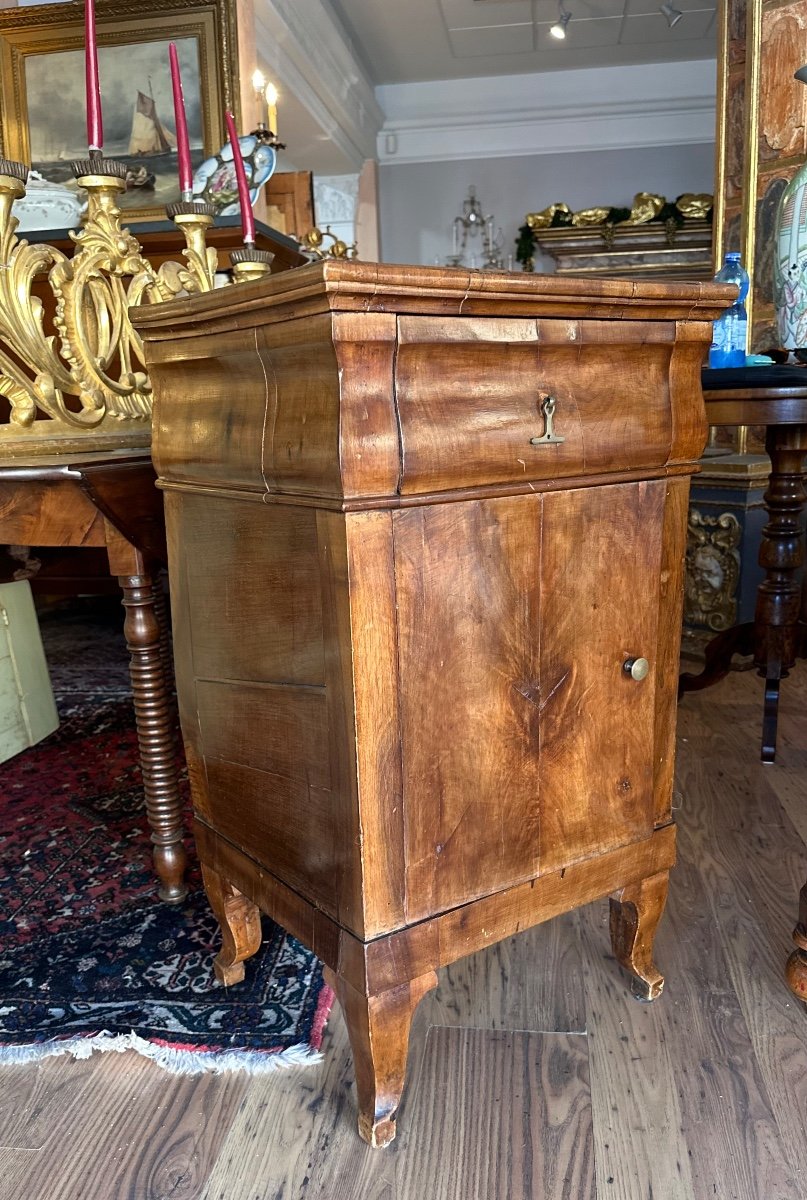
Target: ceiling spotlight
[672,14]
[558,30]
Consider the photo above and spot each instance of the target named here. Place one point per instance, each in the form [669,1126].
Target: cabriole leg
[378,1028]
[240,922]
[796,970]
[635,913]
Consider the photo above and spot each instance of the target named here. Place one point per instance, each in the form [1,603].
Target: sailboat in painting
[149,135]
[149,139]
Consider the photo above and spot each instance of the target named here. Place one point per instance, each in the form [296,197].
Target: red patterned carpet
[89,957]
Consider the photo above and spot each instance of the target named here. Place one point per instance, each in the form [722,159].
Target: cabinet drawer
[470,393]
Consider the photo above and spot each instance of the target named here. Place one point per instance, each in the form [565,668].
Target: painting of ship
[149,135]
[138,117]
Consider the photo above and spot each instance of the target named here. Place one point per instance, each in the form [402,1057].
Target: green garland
[527,238]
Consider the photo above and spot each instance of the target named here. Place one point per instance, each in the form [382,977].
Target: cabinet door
[600,580]
[526,745]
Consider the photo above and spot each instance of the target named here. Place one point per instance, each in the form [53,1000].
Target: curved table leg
[378,1028]
[240,922]
[796,970]
[635,914]
[781,553]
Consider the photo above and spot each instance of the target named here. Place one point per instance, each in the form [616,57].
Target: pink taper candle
[247,215]
[180,120]
[95,124]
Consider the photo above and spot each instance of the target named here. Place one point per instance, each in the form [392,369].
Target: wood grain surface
[435,291]
[475,755]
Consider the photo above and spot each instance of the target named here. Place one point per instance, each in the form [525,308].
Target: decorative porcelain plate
[215,183]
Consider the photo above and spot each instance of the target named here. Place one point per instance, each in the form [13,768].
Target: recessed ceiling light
[672,14]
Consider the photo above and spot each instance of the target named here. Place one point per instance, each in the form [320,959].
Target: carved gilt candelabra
[71,364]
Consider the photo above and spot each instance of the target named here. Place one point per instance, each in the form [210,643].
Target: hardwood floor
[534,1074]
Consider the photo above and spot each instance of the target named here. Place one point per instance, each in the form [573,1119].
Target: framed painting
[42,99]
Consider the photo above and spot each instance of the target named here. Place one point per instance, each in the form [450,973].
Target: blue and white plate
[215,181]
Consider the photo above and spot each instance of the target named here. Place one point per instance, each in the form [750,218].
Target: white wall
[418,201]
[550,112]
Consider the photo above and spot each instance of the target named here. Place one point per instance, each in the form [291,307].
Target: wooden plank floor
[533,1073]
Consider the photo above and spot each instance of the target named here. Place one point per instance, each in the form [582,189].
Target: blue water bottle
[730,333]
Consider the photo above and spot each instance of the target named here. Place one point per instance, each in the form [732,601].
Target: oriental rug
[90,958]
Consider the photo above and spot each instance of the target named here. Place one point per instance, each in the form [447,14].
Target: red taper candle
[181,122]
[95,123]
[247,215]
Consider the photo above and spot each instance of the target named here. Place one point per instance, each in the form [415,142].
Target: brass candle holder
[86,386]
[249,263]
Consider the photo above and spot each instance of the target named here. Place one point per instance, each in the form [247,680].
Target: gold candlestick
[194,218]
[250,264]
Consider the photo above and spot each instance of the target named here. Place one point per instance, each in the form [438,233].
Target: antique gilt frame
[753,43]
[51,28]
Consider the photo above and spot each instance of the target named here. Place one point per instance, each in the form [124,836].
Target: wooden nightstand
[426,537]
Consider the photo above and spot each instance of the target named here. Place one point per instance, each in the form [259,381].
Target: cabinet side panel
[601,557]
[670,616]
[231,408]
[252,575]
[467,584]
[247,598]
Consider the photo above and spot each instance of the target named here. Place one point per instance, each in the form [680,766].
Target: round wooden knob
[637,668]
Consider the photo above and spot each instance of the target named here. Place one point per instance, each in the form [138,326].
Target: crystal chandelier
[472,223]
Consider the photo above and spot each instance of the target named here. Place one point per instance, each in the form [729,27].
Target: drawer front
[472,395]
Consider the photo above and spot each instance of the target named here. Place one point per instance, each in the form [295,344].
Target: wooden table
[109,500]
[776,636]
[426,566]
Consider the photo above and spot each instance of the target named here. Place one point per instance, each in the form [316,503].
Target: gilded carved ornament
[88,374]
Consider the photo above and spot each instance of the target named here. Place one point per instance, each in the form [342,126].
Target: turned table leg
[378,1028]
[240,922]
[155,733]
[161,613]
[776,621]
[635,914]
[153,713]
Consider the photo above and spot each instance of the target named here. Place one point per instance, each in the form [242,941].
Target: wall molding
[321,71]
[665,104]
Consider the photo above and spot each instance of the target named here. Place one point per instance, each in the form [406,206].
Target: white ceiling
[402,41]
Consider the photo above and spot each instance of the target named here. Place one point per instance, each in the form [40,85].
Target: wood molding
[307,51]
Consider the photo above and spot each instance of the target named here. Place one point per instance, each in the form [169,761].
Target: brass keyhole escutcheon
[549,437]
[637,668]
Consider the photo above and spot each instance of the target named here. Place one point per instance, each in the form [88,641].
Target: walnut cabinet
[426,533]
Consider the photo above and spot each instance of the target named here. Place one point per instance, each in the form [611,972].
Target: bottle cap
[734,255]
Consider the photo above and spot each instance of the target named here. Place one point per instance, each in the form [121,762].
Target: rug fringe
[177,1060]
